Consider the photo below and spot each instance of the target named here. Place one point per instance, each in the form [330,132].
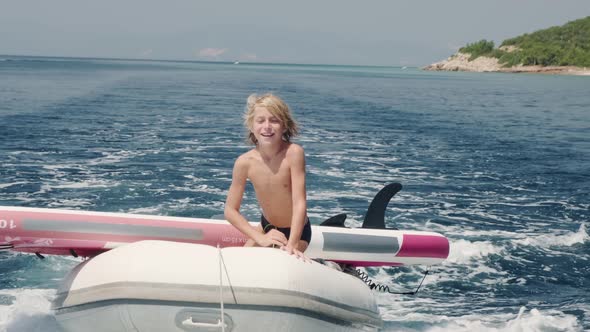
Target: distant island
[557,50]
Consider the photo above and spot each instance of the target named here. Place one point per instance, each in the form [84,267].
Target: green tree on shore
[567,45]
[477,49]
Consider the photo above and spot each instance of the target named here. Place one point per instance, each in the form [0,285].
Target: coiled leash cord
[384,288]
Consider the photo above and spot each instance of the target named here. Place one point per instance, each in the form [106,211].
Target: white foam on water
[180,204]
[30,311]
[54,167]
[71,203]
[518,188]
[409,171]
[194,178]
[115,157]
[6,185]
[431,315]
[81,184]
[187,142]
[199,188]
[216,205]
[460,231]
[547,241]
[91,183]
[525,321]
[465,252]
[332,195]
[335,173]
[34,153]
[144,210]
[23,198]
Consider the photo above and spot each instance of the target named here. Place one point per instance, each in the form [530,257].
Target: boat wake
[27,310]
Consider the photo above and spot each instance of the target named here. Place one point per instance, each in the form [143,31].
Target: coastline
[460,62]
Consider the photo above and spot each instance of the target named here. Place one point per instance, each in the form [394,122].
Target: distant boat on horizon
[236,62]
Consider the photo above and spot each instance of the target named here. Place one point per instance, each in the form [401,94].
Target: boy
[276,168]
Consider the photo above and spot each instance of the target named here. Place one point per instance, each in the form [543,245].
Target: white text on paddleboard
[232,239]
[7,224]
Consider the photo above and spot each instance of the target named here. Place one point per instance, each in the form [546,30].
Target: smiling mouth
[267,135]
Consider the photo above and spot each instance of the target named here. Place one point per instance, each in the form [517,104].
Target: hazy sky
[363,32]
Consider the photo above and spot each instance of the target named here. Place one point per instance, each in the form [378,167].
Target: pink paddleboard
[86,234]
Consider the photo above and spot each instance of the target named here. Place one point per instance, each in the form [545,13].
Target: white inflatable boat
[172,286]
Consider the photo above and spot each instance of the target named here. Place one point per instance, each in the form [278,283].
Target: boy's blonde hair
[277,107]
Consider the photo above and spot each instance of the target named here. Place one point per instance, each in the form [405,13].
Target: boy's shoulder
[294,150]
[248,156]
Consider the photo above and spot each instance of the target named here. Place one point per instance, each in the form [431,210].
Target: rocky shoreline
[460,62]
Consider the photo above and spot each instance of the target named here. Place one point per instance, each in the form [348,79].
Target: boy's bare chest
[262,175]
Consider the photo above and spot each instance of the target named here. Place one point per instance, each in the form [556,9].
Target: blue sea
[499,163]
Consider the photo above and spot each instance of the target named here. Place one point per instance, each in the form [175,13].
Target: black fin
[73,252]
[39,255]
[335,221]
[375,217]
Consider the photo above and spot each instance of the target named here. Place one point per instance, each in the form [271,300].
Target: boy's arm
[298,194]
[233,202]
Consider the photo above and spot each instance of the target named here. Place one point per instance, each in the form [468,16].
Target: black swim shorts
[305,234]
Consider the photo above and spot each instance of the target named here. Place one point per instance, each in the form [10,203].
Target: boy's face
[266,127]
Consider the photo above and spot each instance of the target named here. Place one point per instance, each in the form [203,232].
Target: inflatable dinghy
[172,286]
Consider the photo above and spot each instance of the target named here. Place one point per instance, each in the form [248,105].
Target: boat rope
[190,321]
[222,320]
[231,287]
[384,288]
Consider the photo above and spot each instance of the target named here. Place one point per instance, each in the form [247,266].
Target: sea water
[499,163]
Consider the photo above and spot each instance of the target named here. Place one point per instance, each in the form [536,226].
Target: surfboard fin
[375,217]
[335,221]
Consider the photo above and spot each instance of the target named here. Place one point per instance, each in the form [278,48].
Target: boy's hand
[272,238]
[294,251]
